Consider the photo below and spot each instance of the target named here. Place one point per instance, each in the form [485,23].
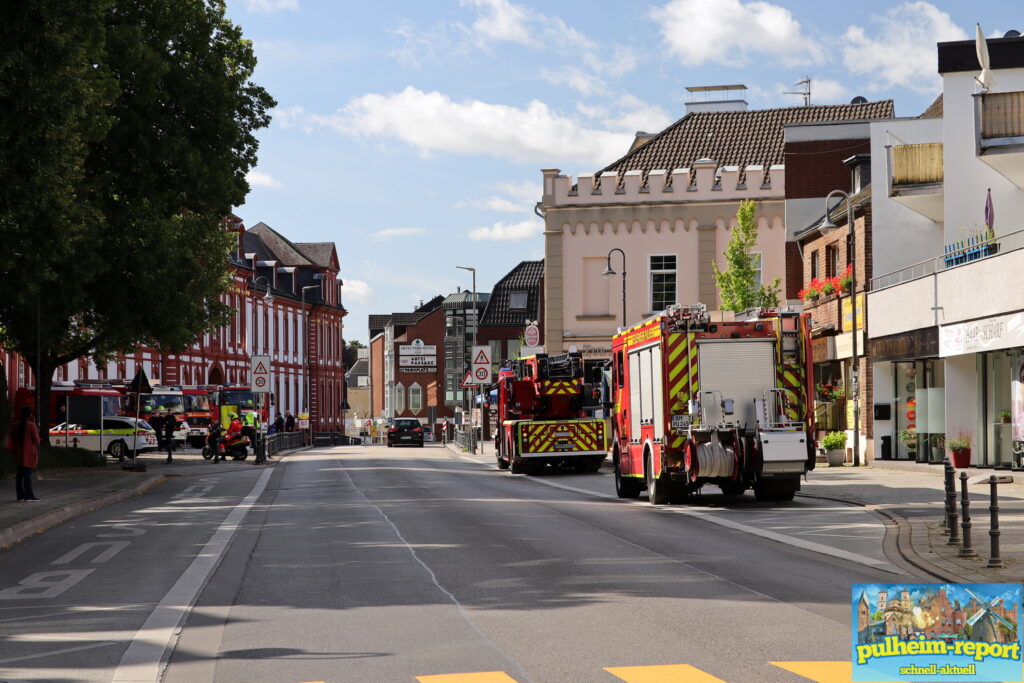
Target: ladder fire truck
[541,416]
[724,403]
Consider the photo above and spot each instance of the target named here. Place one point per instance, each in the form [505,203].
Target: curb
[22,530]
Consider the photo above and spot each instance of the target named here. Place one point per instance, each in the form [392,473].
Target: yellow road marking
[671,673]
[820,672]
[482,677]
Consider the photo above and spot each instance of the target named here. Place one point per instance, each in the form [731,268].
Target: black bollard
[994,561]
[965,549]
[947,519]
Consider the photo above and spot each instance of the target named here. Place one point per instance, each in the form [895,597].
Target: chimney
[716,98]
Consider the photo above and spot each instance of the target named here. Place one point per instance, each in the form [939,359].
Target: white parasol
[985,78]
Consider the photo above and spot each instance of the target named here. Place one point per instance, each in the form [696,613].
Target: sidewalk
[67,493]
[911,497]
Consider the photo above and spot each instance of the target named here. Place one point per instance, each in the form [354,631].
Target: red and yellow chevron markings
[560,387]
[583,435]
[670,673]
[683,382]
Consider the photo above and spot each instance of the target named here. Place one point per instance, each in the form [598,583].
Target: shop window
[399,399]
[415,399]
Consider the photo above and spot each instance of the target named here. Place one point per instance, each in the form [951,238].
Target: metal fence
[951,259]
[285,441]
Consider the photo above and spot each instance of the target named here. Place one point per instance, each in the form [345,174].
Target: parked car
[428,433]
[406,431]
[119,436]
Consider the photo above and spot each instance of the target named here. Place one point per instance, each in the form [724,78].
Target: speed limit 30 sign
[259,374]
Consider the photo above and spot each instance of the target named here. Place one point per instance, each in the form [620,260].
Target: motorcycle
[234,448]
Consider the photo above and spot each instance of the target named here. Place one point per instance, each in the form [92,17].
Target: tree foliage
[126,133]
[737,286]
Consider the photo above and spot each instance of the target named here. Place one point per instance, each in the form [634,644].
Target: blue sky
[411,132]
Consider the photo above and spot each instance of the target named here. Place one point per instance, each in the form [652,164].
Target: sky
[411,133]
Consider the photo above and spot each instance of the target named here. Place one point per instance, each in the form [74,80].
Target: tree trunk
[5,404]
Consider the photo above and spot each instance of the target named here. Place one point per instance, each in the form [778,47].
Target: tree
[352,353]
[736,284]
[133,125]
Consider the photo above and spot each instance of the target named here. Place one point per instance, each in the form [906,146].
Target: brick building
[263,260]
[517,298]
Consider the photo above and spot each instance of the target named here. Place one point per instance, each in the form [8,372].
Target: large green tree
[738,288]
[126,130]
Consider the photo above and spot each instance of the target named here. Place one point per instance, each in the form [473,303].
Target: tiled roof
[318,252]
[461,300]
[431,305]
[279,245]
[934,110]
[361,368]
[526,277]
[378,321]
[736,138]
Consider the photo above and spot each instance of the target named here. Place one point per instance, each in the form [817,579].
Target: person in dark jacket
[23,441]
[170,426]
[289,421]
[278,424]
[156,421]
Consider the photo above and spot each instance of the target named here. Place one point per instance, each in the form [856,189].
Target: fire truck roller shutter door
[739,369]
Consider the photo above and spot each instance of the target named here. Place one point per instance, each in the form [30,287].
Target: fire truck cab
[700,402]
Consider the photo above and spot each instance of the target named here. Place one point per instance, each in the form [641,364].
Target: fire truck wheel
[657,488]
[733,488]
[774,493]
[625,487]
[502,463]
[517,466]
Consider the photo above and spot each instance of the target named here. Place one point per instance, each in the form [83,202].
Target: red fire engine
[540,410]
[111,400]
[700,402]
[187,403]
[239,399]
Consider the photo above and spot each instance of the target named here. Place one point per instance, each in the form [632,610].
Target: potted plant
[959,445]
[938,447]
[1004,417]
[846,278]
[834,444]
[909,437]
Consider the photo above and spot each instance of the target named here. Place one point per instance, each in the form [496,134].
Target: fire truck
[239,399]
[542,418]
[111,400]
[189,404]
[700,402]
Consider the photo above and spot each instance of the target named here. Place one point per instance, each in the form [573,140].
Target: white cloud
[433,122]
[269,6]
[294,116]
[730,32]
[357,290]
[576,78]
[519,197]
[262,180]
[825,91]
[903,53]
[390,233]
[501,21]
[507,232]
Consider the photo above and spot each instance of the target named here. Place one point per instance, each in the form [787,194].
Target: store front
[910,396]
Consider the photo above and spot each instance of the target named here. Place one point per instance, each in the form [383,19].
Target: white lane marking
[45,584]
[112,548]
[142,659]
[819,548]
[433,577]
[58,652]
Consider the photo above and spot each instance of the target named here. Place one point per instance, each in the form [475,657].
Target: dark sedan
[405,432]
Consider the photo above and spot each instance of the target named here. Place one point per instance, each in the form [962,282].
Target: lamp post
[267,298]
[609,273]
[476,324]
[305,358]
[828,226]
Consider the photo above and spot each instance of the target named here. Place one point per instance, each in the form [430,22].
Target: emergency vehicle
[239,399]
[541,414]
[111,400]
[187,404]
[118,437]
[724,403]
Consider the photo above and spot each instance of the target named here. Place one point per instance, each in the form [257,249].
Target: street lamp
[305,358]
[609,273]
[826,227]
[476,324]
[267,298]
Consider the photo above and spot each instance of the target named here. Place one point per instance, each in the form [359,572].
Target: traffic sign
[481,375]
[468,381]
[259,374]
[481,364]
[532,335]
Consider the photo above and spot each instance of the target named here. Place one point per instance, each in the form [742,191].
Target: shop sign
[417,361]
[999,332]
[408,371]
[922,343]
[848,312]
[417,348]
[844,344]
[823,349]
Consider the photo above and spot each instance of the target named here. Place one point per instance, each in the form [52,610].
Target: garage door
[739,369]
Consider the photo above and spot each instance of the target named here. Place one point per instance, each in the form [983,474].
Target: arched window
[415,399]
[399,399]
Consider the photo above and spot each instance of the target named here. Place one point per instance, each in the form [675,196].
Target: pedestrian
[170,426]
[289,421]
[23,442]
[278,423]
[156,421]
[214,440]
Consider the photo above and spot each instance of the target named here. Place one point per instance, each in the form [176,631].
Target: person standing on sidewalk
[23,441]
[170,425]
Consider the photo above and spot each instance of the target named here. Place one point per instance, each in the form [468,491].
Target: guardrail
[284,441]
[952,259]
[462,439]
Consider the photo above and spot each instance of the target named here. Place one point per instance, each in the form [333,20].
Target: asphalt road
[376,564]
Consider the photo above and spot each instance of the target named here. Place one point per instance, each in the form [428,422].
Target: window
[831,260]
[415,399]
[517,301]
[496,357]
[513,348]
[399,399]
[814,265]
[758,270]
[663,281]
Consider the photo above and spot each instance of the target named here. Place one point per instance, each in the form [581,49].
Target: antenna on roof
[805,90]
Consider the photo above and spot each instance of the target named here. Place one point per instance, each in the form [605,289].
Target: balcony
[917,180]
[999,121]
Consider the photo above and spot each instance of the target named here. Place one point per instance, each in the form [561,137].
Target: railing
[917,164]
[284,441]
[462,439]
[957,254]
[1002,115]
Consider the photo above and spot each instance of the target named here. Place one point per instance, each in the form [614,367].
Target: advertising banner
[417,361]
[936,631]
